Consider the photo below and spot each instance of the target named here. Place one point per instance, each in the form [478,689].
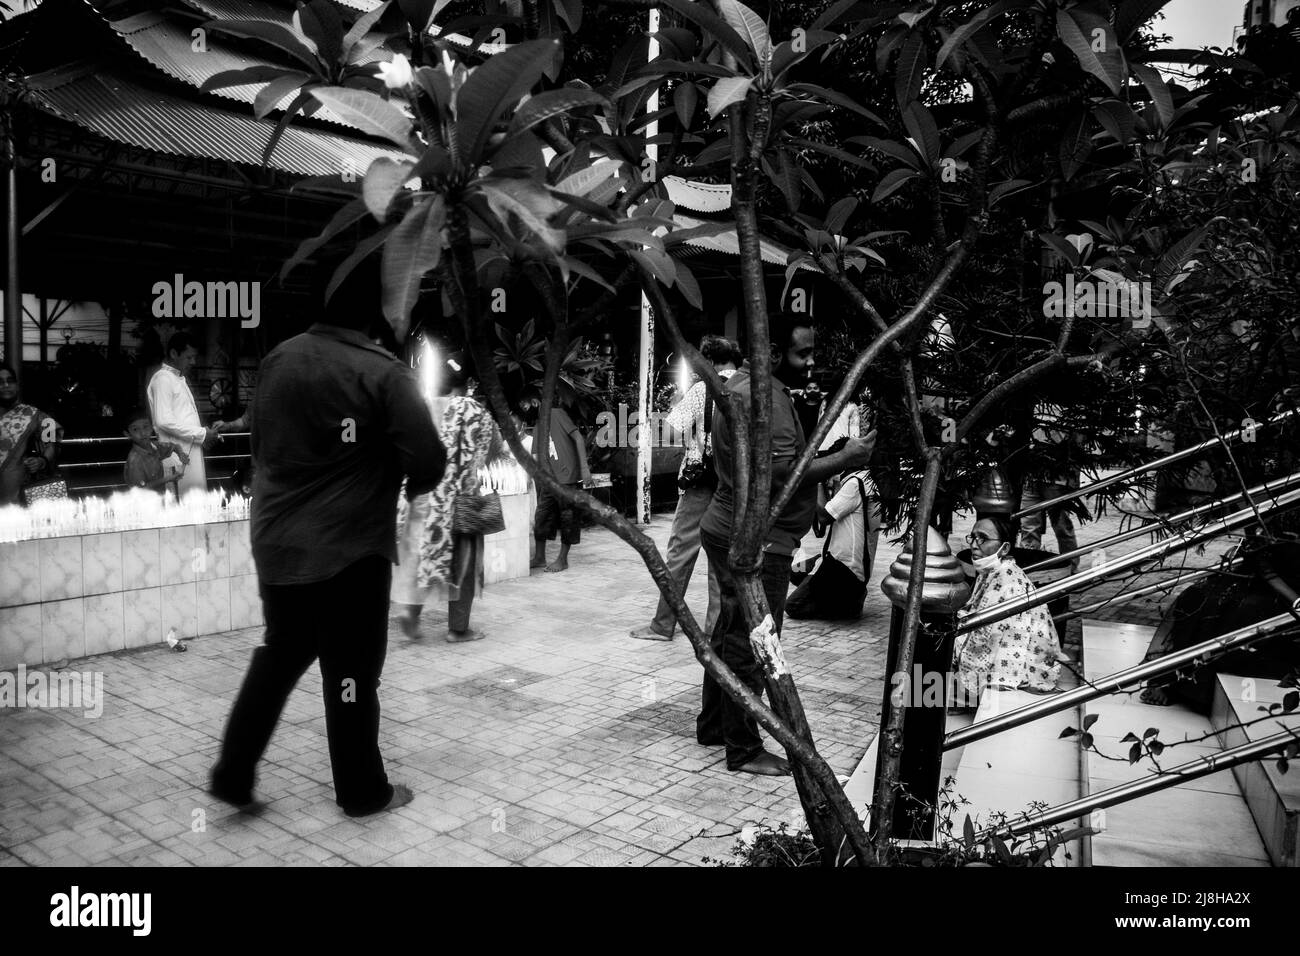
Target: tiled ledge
[75,596]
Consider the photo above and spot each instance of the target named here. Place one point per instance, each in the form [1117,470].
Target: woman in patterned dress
[28,441]
[1016,653]
[433,561]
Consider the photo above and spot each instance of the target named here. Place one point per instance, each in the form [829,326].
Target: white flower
[397,75]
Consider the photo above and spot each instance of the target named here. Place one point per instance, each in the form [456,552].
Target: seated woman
[1016,653]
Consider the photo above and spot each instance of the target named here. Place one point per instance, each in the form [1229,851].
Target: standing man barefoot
[336,422]
[568,455]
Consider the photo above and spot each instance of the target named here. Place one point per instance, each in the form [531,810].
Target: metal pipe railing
[1269,488]
[1159,549]
[1173,777]
[1185,578]
[1190,452]
[1206,650]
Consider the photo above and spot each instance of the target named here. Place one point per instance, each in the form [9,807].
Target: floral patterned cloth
[17,426]
[468,433]
[1014,653]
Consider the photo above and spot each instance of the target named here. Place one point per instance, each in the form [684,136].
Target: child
[568,455]
[144,463]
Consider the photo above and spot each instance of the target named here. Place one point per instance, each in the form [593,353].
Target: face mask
[987,562]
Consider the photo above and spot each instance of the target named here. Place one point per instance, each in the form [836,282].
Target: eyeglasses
[979,537]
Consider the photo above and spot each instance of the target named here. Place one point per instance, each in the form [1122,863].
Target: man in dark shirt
[722,720]
[336,422]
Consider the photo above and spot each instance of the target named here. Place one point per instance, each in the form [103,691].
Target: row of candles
[124,511]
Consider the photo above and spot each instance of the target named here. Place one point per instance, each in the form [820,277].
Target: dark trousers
[721,718]
[465,563]
[344,622]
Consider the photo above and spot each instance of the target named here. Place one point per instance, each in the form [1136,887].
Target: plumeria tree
[986,116]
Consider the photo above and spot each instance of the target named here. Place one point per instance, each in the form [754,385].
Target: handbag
[833,592]
[478,514]
[701,474]
[47,489]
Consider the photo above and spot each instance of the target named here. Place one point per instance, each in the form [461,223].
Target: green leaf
[1171,264]
[910,70]
[299,105]
[1161,98]
[1089,720]
[688,285]
[580,268]
[920,125]
[367,112]
[727,91]
[1067,732]
[968,833]
[1127,737]
[413,249]
[890,184]
[835,98]
[1003,853]
[1085,741]
[1078,28]
[493,88]
[686,97]
[971,26]
[706,19]
[383,180]
[585,180]
[749,26]
[834,152]
[276,34]
[839,214]
[1132,14]
[1117,118]
[1150,732]
[363,25]
[900,151]
[271,94]
[350,214]
[530,203]
[249,74]
[1290,702]
[1135,753]
[319,20]
[1076,145]
[570,12]
[364,248]
[551,103]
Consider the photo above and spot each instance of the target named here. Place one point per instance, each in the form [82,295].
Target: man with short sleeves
[336,422]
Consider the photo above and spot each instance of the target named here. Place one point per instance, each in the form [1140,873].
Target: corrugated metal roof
[169,47]
[702,197]
[728,243]
[128,112]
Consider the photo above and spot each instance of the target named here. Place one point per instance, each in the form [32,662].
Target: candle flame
[123,511]
[505,478]
[684,377]
[429,370]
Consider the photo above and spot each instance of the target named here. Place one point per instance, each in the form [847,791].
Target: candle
[684,377]
[429,370]
[123,511]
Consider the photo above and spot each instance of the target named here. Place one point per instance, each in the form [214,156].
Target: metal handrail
[1206,650]
[1173,777]
[1177,579]
[1181,541]
[1189,452]
[1268,488]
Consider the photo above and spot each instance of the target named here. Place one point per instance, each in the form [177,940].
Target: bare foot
[559,564]
[536,562]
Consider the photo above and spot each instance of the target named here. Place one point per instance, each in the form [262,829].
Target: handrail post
[923,693]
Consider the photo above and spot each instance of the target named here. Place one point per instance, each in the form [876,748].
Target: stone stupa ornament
[944,589]
[995,494]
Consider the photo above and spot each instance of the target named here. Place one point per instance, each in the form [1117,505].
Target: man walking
[693,416]
[176,417]
[722,721]
[336,422]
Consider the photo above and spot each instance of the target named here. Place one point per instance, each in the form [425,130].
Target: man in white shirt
[689,418]
[175,416]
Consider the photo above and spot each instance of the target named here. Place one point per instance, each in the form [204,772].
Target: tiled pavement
[558,740]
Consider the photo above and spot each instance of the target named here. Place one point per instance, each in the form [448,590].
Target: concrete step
[1273,797]
[1202,822]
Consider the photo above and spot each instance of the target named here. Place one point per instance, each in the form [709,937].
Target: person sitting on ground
[1019,652]
[568,456]
[144,462]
